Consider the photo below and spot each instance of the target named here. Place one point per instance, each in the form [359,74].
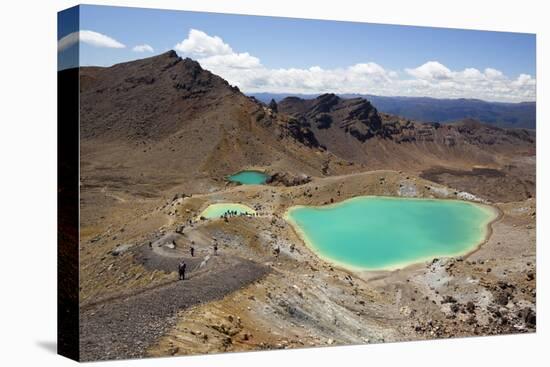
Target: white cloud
[472,74]
[429,79]
[199,44]
[524,80]
[369,68]
[233,60]
[432,70]
[89,37]
[493,73]
[213,53]
[143,48]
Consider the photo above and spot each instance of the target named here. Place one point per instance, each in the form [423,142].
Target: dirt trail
[125,328]
[114,196]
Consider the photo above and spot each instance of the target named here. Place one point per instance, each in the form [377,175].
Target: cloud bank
[431,79]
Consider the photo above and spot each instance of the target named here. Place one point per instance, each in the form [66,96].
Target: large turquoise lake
[249,177]
[375,233]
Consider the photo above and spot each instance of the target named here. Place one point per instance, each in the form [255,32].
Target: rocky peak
[324,103]
[170,54]
[362,120]
[153,96]
[273,105]
[356,116]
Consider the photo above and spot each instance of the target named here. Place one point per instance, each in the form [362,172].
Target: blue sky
[298,55]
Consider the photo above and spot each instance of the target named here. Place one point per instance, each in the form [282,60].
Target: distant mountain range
[509,115]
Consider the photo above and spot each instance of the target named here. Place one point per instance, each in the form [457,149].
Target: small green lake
[219,209]
[249,177]
[377,233]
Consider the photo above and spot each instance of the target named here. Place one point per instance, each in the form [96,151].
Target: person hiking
[181,270]
[192,250]
[215,248]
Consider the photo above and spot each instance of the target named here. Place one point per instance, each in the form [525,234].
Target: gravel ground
[126,327]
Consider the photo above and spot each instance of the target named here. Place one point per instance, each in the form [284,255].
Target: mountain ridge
[166,119]
[443,110]
[354,130]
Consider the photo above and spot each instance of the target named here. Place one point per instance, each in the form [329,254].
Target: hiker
[192,249]
[277,251]
[181,270]
[215,248]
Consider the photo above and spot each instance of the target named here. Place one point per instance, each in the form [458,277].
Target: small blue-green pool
[376,233]
[219,209]
[249,177]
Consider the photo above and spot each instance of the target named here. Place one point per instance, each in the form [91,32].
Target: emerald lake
[378,233]
[249,177]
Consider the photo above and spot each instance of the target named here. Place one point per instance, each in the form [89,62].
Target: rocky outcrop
[287,179]
[121,249]
[302,133]
[273,105]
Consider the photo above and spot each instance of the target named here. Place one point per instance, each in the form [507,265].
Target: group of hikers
[182,265]
[235,213]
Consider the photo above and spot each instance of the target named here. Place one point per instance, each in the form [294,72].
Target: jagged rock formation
[354,130]
[273,105]
[354,116]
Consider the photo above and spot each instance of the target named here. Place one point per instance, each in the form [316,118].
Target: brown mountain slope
[148,98]
[354,130]
[160,121]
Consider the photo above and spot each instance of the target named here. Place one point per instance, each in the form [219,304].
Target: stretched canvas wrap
[234,183]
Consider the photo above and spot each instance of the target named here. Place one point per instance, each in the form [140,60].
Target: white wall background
[28,180]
